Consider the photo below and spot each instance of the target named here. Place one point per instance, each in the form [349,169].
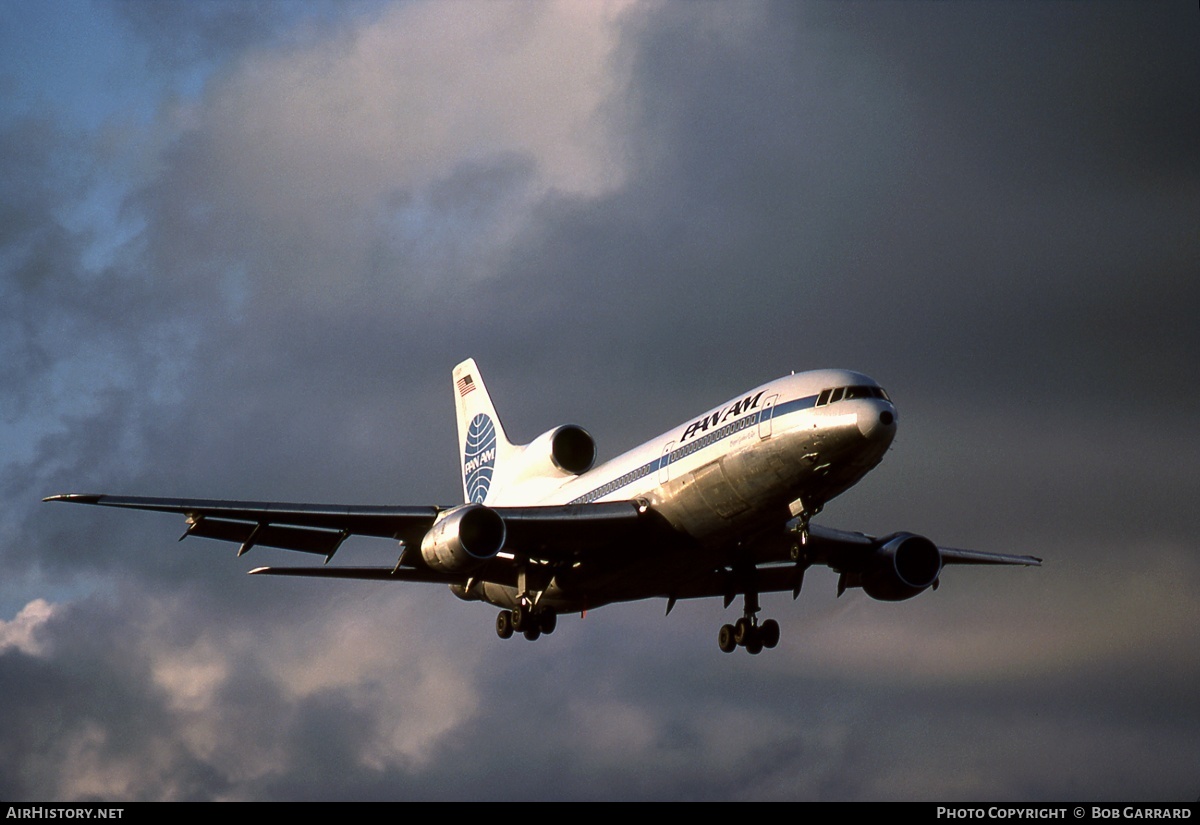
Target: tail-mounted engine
[463,539]
[568,450]
[901,567]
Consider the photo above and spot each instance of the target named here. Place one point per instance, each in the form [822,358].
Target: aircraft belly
[598,593]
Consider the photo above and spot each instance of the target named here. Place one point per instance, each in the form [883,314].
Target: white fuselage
[755,454]
[739,470]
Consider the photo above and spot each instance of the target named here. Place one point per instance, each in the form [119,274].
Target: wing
[606,535]
[558,533]
[861,560]
[841,549]
[308,528]
[952,555]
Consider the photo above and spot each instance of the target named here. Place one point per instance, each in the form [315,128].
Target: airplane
[719,506]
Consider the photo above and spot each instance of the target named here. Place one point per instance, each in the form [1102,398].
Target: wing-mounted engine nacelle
[903,565]
[568,450]
[463,539]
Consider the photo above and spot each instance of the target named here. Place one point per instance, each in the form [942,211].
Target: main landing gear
[524,620]
[747,632]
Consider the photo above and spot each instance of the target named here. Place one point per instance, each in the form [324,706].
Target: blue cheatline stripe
[778,411]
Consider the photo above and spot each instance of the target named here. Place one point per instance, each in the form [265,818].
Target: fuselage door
[664,464]
[764,417]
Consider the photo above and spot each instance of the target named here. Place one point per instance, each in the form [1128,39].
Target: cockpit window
[835,394]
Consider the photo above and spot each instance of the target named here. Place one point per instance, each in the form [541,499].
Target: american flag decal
[465,385]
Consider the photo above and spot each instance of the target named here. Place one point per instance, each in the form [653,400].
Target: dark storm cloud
[82,720]
[865,205]
[1070,148]
[1049,91]
[989,209]
[860,193]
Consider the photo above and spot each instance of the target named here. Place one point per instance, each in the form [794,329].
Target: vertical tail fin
[482,443]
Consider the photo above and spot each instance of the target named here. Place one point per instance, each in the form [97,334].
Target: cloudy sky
[242,245]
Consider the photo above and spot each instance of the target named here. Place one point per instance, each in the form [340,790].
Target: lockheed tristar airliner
[720,506]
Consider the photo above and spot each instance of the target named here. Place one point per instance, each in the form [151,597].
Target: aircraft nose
[878,423]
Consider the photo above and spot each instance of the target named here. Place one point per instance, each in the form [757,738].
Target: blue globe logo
[479,457]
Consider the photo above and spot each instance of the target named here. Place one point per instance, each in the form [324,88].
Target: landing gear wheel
[769,633]
[520,618]
[549,622]
[742,630]
[725,639]
[504,624]
[532,633]
[754,644]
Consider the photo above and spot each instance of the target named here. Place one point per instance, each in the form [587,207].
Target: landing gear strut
[802,513]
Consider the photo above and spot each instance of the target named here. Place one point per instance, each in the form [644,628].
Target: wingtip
[258,571]
[80,498]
